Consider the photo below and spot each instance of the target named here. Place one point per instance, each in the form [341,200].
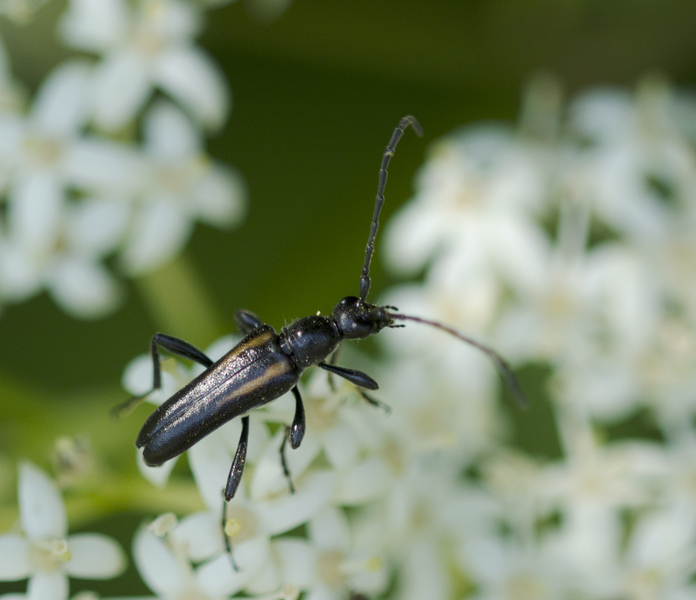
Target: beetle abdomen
[253,373]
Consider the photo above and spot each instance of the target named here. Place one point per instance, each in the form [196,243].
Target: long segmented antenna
[500,363]
[379,201]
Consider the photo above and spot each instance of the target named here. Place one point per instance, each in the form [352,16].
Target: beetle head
[356,318]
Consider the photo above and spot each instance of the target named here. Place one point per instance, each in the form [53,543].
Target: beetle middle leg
[247,321]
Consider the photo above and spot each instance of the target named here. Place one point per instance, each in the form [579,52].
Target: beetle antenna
[499,362]
[379,201]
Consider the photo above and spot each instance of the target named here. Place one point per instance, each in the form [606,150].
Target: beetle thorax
[310,340]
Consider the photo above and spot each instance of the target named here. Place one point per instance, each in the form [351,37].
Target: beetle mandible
[266,364]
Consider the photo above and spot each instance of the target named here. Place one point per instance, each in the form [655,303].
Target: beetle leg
[247,321]
[178,348]
[174,346]
[332,362]
[237,468]
[374,402]
[284,463]
[297,430]
[356,377]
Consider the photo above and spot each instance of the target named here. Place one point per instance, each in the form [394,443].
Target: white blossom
[145,47]
[43,552]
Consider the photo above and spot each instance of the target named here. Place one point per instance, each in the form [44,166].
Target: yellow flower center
[49,554]
[240,524]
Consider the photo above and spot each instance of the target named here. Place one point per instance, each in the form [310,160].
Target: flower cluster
[97,166]
[566,241]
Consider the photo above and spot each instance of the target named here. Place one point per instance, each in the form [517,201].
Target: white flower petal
[341,446]
[61,105]
[105,166]
[191,77]
[20,278]
[14,558]
[297,561]
[51,585]
[171,21]
[169,135]
[96,226]
[156,564]
[94,25]
[322,591]
[312,493]
[41,507]
[155,475]
[210,462]
[121,86]
[83,288]
[217,578]
[94,556]
[219,197]
[329,530]
[364,482]
[159,233]
[35,211]
[411,237]
[424,573]
[201,535]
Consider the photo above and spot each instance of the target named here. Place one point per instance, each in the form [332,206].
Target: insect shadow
[266,364]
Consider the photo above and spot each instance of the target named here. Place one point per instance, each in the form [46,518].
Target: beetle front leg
[178,348]
[172,345]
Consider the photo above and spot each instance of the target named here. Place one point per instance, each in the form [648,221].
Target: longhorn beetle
[266,365]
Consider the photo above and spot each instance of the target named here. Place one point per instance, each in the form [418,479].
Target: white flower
[50,242]
[502,569]
[146,47]
[327,565]
[43,552]
[181,184]
[166,569]
[250,520]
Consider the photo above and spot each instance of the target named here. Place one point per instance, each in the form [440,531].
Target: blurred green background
[316,95]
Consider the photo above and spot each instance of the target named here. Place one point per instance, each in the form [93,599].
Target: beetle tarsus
[228,542]
[284,462]
[374,402]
